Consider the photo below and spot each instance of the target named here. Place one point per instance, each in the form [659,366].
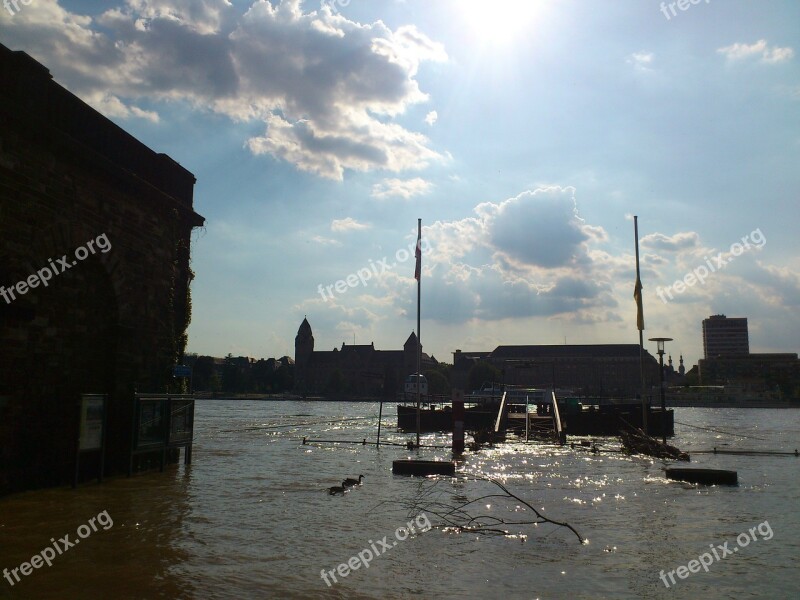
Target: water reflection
[251,517]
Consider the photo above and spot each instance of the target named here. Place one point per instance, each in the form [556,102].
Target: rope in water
[752,437]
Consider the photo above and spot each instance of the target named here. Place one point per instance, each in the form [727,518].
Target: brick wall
[113,322]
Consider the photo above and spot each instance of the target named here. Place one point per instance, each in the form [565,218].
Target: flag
[637,294]
[418,254]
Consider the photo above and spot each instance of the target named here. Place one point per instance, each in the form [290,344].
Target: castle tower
[410,354]
[682,369]
[303,349]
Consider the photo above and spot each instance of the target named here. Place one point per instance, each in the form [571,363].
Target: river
[251,517]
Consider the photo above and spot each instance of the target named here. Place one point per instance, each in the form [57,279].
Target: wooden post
[458,422]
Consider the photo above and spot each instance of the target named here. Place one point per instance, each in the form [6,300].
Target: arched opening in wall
[15,314]
[64,344]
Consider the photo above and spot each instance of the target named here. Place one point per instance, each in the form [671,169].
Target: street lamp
[660,341]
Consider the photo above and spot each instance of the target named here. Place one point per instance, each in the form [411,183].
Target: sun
[496,21]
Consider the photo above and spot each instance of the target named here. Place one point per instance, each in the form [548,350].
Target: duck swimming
[349,482]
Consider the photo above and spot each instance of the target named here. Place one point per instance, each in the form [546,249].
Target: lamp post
[660,341]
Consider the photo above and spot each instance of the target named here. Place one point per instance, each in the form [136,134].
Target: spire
[305,328]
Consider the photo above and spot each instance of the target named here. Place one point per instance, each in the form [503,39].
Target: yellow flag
[637,294]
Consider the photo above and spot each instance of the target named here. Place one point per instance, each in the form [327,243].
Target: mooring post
[458,422]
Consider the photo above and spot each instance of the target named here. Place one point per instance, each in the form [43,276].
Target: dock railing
[500,413]
[557,420]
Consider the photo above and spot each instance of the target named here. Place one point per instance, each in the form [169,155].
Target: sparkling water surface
[251,517]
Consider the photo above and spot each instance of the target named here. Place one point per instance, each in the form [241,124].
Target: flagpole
[419,337]
[640,324]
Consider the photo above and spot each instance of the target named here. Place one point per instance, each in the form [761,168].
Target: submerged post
[380,415]
[458,422]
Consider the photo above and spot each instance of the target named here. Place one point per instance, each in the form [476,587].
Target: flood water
[251,517]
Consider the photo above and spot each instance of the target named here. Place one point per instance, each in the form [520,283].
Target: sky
[524,133]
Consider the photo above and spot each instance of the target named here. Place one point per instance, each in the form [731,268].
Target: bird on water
[349,482]
[337,489]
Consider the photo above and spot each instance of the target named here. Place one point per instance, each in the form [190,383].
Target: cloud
[326,241]
[327,89]
[739,51]
[523,257]
[674,243]
[539,228]
[348,224]
[431,117]
[641,61]
[408,188]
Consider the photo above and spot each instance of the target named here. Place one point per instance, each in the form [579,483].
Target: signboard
[151,423]
[163,422]
[181,421]
[92,413]
[181,371]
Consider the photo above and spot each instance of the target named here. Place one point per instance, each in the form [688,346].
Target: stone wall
[114,321]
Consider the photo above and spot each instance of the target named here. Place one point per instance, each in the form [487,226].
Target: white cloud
[522,257]
[348,224]
[641,61]
[326,241]
[401,188]
[673,243]
[431,117]
[326,88]
[739,51]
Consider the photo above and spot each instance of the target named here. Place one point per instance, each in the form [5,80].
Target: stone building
[596,369]
[356,370]
[94,262]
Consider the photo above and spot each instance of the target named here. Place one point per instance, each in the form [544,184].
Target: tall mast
[418,273]
[637,294]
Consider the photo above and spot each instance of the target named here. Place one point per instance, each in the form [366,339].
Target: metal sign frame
[92,419]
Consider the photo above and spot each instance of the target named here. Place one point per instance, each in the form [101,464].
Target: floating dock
[703,476]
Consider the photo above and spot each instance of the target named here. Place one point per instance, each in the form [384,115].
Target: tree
[481,373]
[437,383]
[202,373]
[231,378]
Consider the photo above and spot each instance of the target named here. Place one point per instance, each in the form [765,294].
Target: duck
[349,482]
[337,489]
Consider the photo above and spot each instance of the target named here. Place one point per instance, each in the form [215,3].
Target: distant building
[354,370]
[728,361]
[723,336]
[761,372]
[601,369]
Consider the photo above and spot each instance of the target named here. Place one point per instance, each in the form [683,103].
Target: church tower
[303,349]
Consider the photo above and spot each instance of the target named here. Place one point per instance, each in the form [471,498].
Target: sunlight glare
[496,21]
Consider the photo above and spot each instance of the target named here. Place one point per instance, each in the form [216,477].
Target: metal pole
[641,337]
[380,414]
[419,336]
[663,401]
